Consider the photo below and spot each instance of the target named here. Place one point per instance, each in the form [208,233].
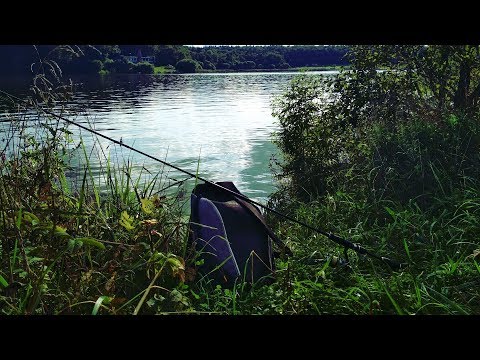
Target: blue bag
[230,237]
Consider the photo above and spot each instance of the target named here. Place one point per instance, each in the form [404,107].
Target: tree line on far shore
[104,59]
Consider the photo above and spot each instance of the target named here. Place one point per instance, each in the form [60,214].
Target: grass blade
[395,304]
[102,299]
[91,242]
[3,282]
[407,250]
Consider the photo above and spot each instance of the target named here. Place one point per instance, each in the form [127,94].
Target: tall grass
[76,240]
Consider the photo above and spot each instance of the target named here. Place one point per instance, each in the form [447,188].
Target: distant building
[139,58]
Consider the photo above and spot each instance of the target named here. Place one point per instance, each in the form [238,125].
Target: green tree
[309,155]
[188,66]
[119,66]
[273,59]
[208,65]
[363,117]
[170,54]
[110,51]
[143,68]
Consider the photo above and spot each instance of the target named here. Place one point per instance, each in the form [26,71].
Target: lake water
[222,121]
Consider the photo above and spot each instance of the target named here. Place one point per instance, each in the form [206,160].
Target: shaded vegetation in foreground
[390,160]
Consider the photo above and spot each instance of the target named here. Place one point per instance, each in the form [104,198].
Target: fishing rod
[347,244]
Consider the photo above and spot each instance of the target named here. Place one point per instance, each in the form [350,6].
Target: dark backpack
[231,236]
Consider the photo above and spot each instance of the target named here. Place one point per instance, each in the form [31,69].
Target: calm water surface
[222,120]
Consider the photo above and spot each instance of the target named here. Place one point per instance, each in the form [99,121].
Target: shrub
[108,65]
[381,120]
[119,66]
[208,65]
[188,66]
[143,68]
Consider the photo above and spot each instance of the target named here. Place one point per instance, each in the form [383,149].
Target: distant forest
[92,59]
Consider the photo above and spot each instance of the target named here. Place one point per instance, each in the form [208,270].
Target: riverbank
[170,70]
[121,252]
[291,69]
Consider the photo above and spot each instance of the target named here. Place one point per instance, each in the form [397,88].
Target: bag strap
[255,212]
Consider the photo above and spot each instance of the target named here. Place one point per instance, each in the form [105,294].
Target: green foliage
[169,54]
[72,249]
[208,65]
[273,60]
[188,66]
[120,66]
[66,249]
[96,66]
[164,69]
[306,138]
[143,68]
[3,282]
[102,299]
[383,121]
[268,57]
[389,159]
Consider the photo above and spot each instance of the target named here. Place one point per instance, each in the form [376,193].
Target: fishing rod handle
[394,265]
[348,244]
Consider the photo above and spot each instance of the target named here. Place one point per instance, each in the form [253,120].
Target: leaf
[151,302]
[407,250]
[178,267]
[91,241]
[394,303]
[102,299]
[453,120]
[61,232]
[159,297]
[195,295]
[147,206]
[176,263]
[477,266]
[71,245]
[391,212]
[176,296]
[150,222]
[158,257]
[31,218]
[19,219]
[200,262]
[126,221]
[3,282]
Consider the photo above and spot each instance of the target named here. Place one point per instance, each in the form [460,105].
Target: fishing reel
[336,261]
[333,260]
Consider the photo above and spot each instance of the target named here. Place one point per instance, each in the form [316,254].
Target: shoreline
[223,71]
